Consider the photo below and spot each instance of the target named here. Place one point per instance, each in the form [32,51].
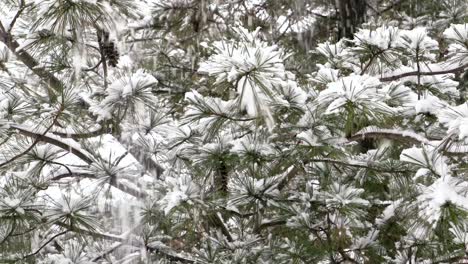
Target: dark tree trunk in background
[351,15]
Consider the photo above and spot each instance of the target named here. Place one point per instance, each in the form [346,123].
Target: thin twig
[43,245]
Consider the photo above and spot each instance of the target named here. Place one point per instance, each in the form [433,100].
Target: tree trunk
[351,15]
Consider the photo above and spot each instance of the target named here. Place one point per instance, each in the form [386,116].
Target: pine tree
[250,131]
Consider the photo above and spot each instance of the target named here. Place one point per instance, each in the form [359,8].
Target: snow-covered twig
[90,134]
[36,140]
[415,73]
[54,141]
[359,164]
[376,133]
[38,249]
[409,136]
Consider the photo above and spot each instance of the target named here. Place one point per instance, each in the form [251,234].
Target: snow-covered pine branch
[253,131]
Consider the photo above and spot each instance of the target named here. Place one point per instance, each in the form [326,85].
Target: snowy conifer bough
[247,131]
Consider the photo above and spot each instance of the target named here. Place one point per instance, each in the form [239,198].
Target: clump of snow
[125,62]
[343,195]
[286,25]
[421,173]
[426,157]
[383,37]
[366,241]
[309,138]
[249,144]
[428,104]
[356,89]
[455,118]
[126,90]
[179,190]
[254,67]
[457,32]
[332,51]
[325,75]
[417,39]
[399,95]
[199,105]
[388,212]
[444,190]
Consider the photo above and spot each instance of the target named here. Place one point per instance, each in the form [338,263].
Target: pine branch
[451,258]
[77,152]
[146,160]
[410,137]
[97,234]
[10,233]
[416,73]
[37,139]
[289,176]
[85,135]
[371,60]
[170,255]
[108,251]
[349,163]
[126,189]
[47,77]
[45,137]
[17,15]
[389,7]
[272,223]
[215,220]
[379,133]
[370,165]
[37,250]
[73,175]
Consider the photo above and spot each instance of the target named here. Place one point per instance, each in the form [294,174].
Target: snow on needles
[126,90]
[255,68]
[457,34]
[443,191]
[456,119]
[426,157]
[180,189]
[361,91]
[382,37]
